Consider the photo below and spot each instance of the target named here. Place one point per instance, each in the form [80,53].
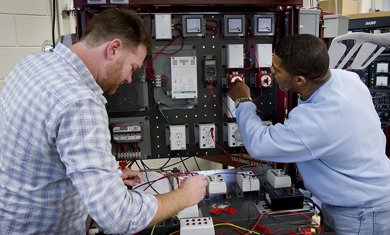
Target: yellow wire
[236,227]
[152,230]
[177,216]
[174,232]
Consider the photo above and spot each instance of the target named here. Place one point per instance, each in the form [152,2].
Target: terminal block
[247,181]
[216,184]
[196,226]
[278,178]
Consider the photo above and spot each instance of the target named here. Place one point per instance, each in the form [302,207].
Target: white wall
[24,26]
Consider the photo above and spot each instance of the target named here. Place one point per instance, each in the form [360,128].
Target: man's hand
[130,177]
[195,188]
[238,89]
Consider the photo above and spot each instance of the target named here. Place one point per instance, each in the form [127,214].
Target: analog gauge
[235,25]
[193,25]
[264,25]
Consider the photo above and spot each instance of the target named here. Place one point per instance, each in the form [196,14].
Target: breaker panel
[177,103]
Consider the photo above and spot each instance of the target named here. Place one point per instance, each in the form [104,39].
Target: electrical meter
[209,68]
[192,25]
[233,25]
[263,25]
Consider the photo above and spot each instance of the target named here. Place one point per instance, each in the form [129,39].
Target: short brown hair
[118,23]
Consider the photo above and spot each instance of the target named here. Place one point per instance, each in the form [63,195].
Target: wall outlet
[205,139]
[247,181]
[178,137]
[234,135]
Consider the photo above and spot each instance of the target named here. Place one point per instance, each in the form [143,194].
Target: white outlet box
[163,26]
[196,226]
[248,181]
[234,135]
[235,55]
[278,178]
[216,184]
[206,141]
[264,55]
[178,137]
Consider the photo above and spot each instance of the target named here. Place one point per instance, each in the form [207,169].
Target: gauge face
[264,25]
[235,25]
[193,25]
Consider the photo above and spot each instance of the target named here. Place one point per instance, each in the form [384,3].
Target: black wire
[197,163]
[165,163]
[54,23]
[176,163]
[138,165]
[147,178]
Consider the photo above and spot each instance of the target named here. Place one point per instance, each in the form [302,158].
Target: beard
[112,79]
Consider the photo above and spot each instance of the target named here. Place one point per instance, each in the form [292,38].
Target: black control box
[282,198]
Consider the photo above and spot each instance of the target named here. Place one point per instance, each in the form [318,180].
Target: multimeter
[209,69]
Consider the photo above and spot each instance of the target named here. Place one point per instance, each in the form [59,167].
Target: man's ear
[300,80]
[114,49]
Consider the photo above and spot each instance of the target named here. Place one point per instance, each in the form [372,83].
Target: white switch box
[234,135]
[206,141]
[178,137]
[216,184]
[235,55]
[163,26]
[264,55]
[248,181]
[278,178]
[197,226]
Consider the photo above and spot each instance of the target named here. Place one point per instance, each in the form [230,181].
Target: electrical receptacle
[234,136]
[196,226]
[206,140]
[178,137]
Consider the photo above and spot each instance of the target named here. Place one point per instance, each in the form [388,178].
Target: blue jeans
[358,220]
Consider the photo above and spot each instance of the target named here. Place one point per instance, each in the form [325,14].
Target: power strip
[216,184]
[196,226]
[248,181]
[278,178]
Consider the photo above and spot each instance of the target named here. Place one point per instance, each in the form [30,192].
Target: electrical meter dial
[192,25]
[263,24]
[233,25]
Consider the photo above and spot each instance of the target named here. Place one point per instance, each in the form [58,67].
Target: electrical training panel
[178,99]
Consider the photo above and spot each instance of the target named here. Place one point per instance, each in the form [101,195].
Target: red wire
[211,85]
[150,15]
[287,212]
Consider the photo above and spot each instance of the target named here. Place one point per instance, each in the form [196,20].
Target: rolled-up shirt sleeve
[83,141]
